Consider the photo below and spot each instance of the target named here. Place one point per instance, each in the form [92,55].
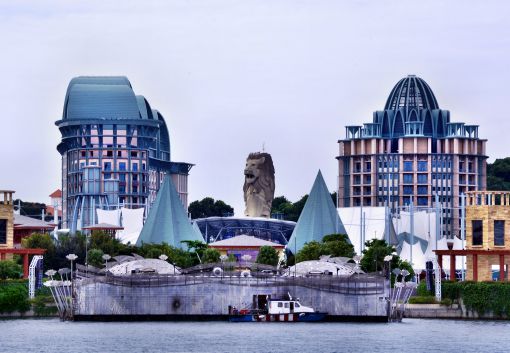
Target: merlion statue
[258,185]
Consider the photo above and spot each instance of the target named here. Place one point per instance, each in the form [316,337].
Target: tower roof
[167,221]
[318,218]
[411,92]
[104,97]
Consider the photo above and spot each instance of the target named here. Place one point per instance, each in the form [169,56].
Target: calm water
[410,336]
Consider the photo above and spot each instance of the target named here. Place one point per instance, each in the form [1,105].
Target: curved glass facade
[115,150]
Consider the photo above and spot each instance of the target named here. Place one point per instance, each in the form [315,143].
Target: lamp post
[72,257]
[106,257]
[388,259]
[223,258]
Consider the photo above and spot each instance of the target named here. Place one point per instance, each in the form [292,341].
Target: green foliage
[498,174]
[10,269]
[179,257]
[211,256]
[267,255]
[95,257]
[292,211]
[446,302]
[421,290]
[482,297]
[14,297]
[207,207]
[336,245]
[429,299]
[44,306]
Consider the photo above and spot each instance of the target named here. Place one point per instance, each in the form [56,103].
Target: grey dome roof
[411,92]
[104,97]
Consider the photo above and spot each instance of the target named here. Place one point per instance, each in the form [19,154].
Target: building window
[408,166]
[408,190]
[499,233]
[422,179]
[477,232]
[422,190]
[408,178]
[3,231]
[134,167]
[423,201]
[122,166]
[107,166]
[422,166]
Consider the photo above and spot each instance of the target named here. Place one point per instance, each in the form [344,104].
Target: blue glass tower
[115,150]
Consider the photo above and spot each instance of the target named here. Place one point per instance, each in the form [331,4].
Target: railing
[354,284]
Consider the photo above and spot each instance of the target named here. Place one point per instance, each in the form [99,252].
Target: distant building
[6,219]
[55,204]
[25,226]
[243,245]
[115,150]
[411,149]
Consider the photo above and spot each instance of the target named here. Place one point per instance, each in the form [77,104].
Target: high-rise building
[411,151]
[115,150]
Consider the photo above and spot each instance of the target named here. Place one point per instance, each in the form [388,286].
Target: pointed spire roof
[167,221]
[318,218]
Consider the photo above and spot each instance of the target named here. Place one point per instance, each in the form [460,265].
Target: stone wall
[213,297]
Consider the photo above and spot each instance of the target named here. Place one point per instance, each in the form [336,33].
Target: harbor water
[412,335]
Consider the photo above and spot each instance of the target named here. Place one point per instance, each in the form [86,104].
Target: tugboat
[278,310]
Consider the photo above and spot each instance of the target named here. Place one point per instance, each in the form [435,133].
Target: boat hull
[301,317]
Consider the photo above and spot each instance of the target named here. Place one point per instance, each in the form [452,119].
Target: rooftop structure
[25,226]
[115,150]
[411,151]
[241,245]
[318,218]
[218,228]
[168,221]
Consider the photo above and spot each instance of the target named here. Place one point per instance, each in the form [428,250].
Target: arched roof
[411,92]
[104,97]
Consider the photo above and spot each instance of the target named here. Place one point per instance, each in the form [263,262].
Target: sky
[231,77]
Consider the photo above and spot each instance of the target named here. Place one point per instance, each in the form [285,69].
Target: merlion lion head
[258,184]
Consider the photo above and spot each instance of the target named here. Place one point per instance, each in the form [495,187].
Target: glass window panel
[499,233]
[477,227]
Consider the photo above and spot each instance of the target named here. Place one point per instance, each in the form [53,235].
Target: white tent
[132,221]
[374,224]
[419,258]
[108,216]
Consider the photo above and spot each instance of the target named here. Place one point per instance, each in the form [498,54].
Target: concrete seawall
[203,297]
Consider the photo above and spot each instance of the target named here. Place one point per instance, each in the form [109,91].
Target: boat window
[297,305]
[280,304]
[286,305]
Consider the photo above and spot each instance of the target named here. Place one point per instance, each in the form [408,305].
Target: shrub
[267,255]
[422,290]
[423,300]
[211,256]
[10,269]
[446,302]
[14,297]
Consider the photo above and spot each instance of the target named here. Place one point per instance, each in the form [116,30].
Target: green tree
[498,175]
[95,257]
[208,207]
[267,255]
[373,258]
[43,241]
[335,245]
[10,269]
[211,256]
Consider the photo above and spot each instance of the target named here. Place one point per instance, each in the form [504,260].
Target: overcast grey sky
[231,75]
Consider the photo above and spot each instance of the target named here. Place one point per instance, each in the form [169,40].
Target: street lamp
[106,257]
[72,257]
[388,259]
[223,258]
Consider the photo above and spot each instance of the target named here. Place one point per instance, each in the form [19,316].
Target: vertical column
[440,261]
[475,267]
[501,267]
[2,256]
[452,268]
[25,265]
